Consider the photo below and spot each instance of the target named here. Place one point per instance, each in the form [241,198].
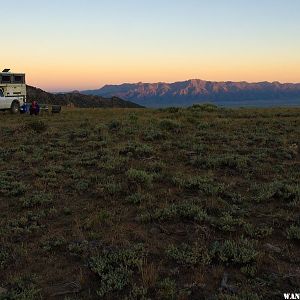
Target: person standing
[34,108]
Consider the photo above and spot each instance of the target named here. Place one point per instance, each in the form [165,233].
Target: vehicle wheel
[15,107]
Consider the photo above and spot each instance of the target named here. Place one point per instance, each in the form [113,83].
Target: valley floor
[196,203]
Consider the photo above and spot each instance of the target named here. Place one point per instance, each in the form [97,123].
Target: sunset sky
[80,44]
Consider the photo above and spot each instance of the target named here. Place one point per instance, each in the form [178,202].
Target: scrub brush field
[194,203]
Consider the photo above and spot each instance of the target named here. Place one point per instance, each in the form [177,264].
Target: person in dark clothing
[34,108]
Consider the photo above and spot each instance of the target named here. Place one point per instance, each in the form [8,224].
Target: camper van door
[3,100]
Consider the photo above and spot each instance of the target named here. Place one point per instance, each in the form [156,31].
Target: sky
[65,45]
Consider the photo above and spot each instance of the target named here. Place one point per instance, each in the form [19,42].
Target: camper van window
[5,79]
[18,79]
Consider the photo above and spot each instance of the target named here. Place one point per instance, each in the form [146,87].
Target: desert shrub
[174,212]
[293,232]
[100,129]
[249,270]
[56,155]
[138,293]
[133,118]
[241,252]
[67,211]
[288,194]
[22,288]
[10,186]
[170,125]
[139,177]
[4,257]
[138,198]
[171,109]
[231,161]
[188,255]
[38,126]
[241,296]
[136,150]
[101,217]
[257,232]
[78,134]
[153,134]
[204,125]
[113,165]
[82,185]
[116,267]
[114,125]
[227,222]
[6,154]
[78,248]
[53,243]
[112,188]
[26,223]
[205,185]
[208,107]
[89,159]
[37,199]
[155,167]
[167,289]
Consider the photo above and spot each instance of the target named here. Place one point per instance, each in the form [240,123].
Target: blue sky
[98,42]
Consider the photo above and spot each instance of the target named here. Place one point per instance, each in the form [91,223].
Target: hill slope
[77,99]
[193,91]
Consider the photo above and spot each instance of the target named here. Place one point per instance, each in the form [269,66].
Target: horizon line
[159,82]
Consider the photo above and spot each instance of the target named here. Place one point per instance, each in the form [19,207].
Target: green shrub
[10,186]
[153,135]
[188,255]
[167,289]
[116,267]
[183,211]
[205,185]
[231,161]
[249,270]
[227,222]
[27,223]
[139,177]
[169,125]
[112,186]
[237,252]
[22,288]
[257,232]
[136,150]
[138,198]
[208,107]
[82,185]
[53,243]
[241,296]
[171,109]
[288,194]
[114,125]
[37,199]
[293,232]
[4,257]
[78,248]
[38,126]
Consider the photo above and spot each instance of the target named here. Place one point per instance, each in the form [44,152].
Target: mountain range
[77,99]
[193,91]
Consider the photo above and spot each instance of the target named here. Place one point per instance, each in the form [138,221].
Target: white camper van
[12,91]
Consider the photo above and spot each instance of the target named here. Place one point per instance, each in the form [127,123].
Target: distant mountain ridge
[196,91]
[77,99]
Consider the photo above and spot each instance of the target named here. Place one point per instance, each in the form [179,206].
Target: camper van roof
[10,73]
